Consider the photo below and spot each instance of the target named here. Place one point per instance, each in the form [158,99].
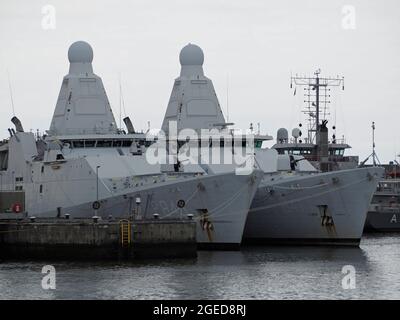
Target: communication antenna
[375,159]
[227,97]
[317,98]
[11,94]
[121,102]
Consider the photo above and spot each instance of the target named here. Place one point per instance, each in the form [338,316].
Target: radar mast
[317,94]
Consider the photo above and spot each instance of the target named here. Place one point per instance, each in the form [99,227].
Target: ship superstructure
[324,152]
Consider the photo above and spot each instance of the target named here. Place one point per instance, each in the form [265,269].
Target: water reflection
[253,273]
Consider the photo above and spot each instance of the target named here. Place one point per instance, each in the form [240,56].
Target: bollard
[66,216]
[95,219]
[32,219]
[190,216]
[155,215]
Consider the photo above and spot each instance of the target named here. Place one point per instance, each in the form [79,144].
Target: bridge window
[126,143]
[117,143]
[337,152]
[90,143]
[104,144]
[78,144]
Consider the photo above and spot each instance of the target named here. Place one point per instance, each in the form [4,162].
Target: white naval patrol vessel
[294,203]
[86,166]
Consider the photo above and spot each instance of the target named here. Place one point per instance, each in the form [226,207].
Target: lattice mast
[317,98]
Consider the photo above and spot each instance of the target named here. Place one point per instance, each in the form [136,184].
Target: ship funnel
[18,124]
[323,146]
[129,125]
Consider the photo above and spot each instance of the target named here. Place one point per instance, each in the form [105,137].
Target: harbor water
[261,272]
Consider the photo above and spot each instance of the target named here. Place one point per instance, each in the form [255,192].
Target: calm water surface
[253,273]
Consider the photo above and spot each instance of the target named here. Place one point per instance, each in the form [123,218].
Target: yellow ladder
[125,232]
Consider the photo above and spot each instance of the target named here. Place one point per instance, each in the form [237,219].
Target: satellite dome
[296,133]
[80,51]
[282,135]
[191,55]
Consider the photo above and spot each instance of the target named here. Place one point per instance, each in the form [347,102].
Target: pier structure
[96,239]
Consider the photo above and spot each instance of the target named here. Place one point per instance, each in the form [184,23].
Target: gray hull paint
[292,211]
[227,197]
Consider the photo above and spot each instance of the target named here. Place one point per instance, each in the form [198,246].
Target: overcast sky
[256,44]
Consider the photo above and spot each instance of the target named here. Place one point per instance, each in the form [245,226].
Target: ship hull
[381,221]
[219,205]
[323,209]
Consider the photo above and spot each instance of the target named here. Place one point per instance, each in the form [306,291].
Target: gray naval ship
[86,166]
[328,152]
[295,203]
[384,212]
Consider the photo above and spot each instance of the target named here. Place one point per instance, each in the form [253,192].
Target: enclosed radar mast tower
[193,102]
[317,98]
[82,105]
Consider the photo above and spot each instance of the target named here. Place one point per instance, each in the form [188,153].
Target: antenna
[375,159]
[317,94]
[291,82]
[120,102]
[227,97]
[11,94]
